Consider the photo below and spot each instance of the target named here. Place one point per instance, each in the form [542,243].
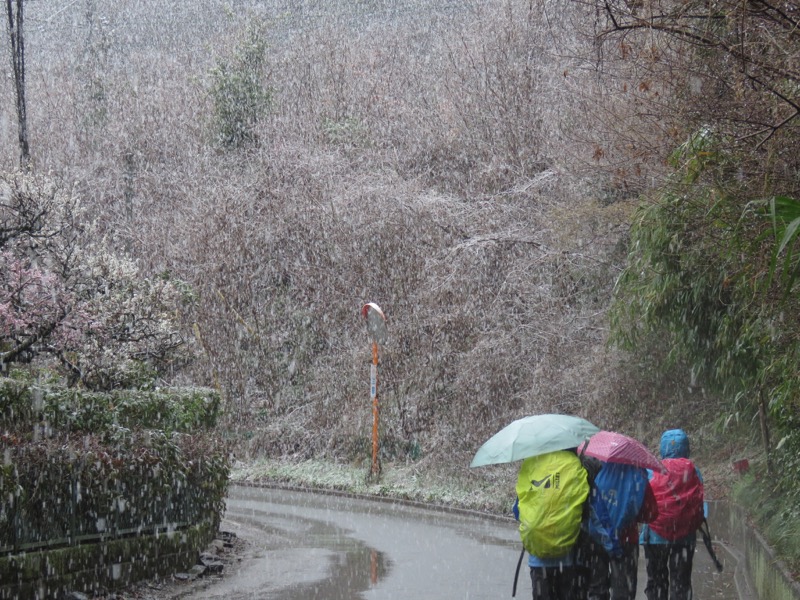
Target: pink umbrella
[610,446]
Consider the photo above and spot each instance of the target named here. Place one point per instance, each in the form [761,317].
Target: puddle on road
[353,566]
[353,571]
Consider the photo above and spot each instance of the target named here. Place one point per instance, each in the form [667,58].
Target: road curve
[317,546]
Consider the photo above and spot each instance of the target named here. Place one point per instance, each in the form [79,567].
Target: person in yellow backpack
[552,490]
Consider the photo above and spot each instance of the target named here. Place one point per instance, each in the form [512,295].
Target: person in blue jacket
[669,562]
[620,500]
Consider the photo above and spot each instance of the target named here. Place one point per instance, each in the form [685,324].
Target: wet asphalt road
[308,546]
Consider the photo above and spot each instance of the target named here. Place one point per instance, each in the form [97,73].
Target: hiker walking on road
[621,498]
[669,541]
[552,490]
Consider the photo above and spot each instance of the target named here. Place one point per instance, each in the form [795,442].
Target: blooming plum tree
[68,294]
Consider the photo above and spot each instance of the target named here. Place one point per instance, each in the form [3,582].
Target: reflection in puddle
[353,566]
[352,571]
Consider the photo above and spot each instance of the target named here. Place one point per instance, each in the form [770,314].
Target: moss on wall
[106,565]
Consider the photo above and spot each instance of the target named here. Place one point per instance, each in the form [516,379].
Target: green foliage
[784,212]
[694,157]
[784,407]
[776,514]
[699,280]
[74,410]
[698,271]
[56,489]
[88,463]
[238,92]
[685,278]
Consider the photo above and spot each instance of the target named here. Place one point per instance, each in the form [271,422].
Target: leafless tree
[729,66]
[15,12]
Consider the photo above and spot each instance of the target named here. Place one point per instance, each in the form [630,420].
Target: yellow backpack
[551,489]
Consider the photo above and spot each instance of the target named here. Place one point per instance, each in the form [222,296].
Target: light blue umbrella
[534,435]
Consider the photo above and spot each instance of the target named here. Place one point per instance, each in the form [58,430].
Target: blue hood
[675,444]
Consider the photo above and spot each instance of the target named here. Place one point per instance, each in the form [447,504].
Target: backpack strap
[516,574]
[705,531]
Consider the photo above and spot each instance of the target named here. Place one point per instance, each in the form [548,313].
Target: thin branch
[770,131]
[701,40]
[792,26]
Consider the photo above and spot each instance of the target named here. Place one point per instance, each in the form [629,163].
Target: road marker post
[376,329]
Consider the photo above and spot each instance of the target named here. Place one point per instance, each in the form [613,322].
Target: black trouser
[669,571]
[555,583]
[614,578]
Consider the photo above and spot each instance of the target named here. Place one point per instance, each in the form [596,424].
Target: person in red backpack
[669,541]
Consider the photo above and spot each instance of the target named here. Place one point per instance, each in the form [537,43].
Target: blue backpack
[615,502]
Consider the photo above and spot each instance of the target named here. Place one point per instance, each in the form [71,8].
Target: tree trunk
[15,21]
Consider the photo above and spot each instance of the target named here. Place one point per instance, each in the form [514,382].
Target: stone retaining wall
[760,573]
[102,566]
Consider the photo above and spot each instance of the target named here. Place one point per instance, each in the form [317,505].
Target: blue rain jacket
[674,444]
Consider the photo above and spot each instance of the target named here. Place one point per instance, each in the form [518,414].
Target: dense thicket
[291,166]
[472,167]
[711,261]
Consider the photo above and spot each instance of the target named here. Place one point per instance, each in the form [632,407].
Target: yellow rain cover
[551,489]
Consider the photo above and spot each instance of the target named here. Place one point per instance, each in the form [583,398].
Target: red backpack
[679,496]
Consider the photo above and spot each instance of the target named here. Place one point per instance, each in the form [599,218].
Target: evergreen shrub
[83,466]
